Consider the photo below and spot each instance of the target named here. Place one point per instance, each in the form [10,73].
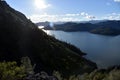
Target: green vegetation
[10,71]
[19,37]
[113,74]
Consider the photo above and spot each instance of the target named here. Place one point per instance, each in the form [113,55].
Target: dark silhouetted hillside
[19,37]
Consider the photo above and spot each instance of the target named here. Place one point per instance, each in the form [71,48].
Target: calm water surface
[104,50]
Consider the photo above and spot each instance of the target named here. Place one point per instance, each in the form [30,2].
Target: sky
[67,10]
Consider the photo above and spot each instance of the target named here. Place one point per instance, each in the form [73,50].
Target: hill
[19,37]
[107,27]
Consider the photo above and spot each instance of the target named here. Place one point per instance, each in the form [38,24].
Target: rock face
[19,37]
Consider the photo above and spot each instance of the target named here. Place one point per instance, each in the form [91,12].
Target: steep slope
[20,37]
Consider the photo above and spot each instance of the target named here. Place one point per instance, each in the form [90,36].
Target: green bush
[10,71]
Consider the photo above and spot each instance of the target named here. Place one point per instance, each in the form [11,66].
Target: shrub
[10,71]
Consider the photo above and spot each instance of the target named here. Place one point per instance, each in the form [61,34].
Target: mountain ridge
[107,27]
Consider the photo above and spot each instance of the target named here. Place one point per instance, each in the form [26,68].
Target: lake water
[104,50]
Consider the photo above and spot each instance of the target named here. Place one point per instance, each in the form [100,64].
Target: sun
[41,4]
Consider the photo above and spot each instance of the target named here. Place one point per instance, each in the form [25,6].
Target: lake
[104,50]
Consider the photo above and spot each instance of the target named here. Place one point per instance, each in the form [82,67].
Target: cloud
[72,14]
[67,19]
[72,17]
[112,16]
[88,16]
[53,18]
[84,14]
[116,0]
[43,17]
[63,17]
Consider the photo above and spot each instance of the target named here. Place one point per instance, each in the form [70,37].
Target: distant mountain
[111,27]
[92,21]
[60,23]
[71,27]
[106,27]
[19,37]
[45,24]
[96,21]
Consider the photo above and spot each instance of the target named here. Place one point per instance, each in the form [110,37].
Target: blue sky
[67,10]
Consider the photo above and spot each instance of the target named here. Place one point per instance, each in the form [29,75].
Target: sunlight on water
[40,27]
[47,31]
